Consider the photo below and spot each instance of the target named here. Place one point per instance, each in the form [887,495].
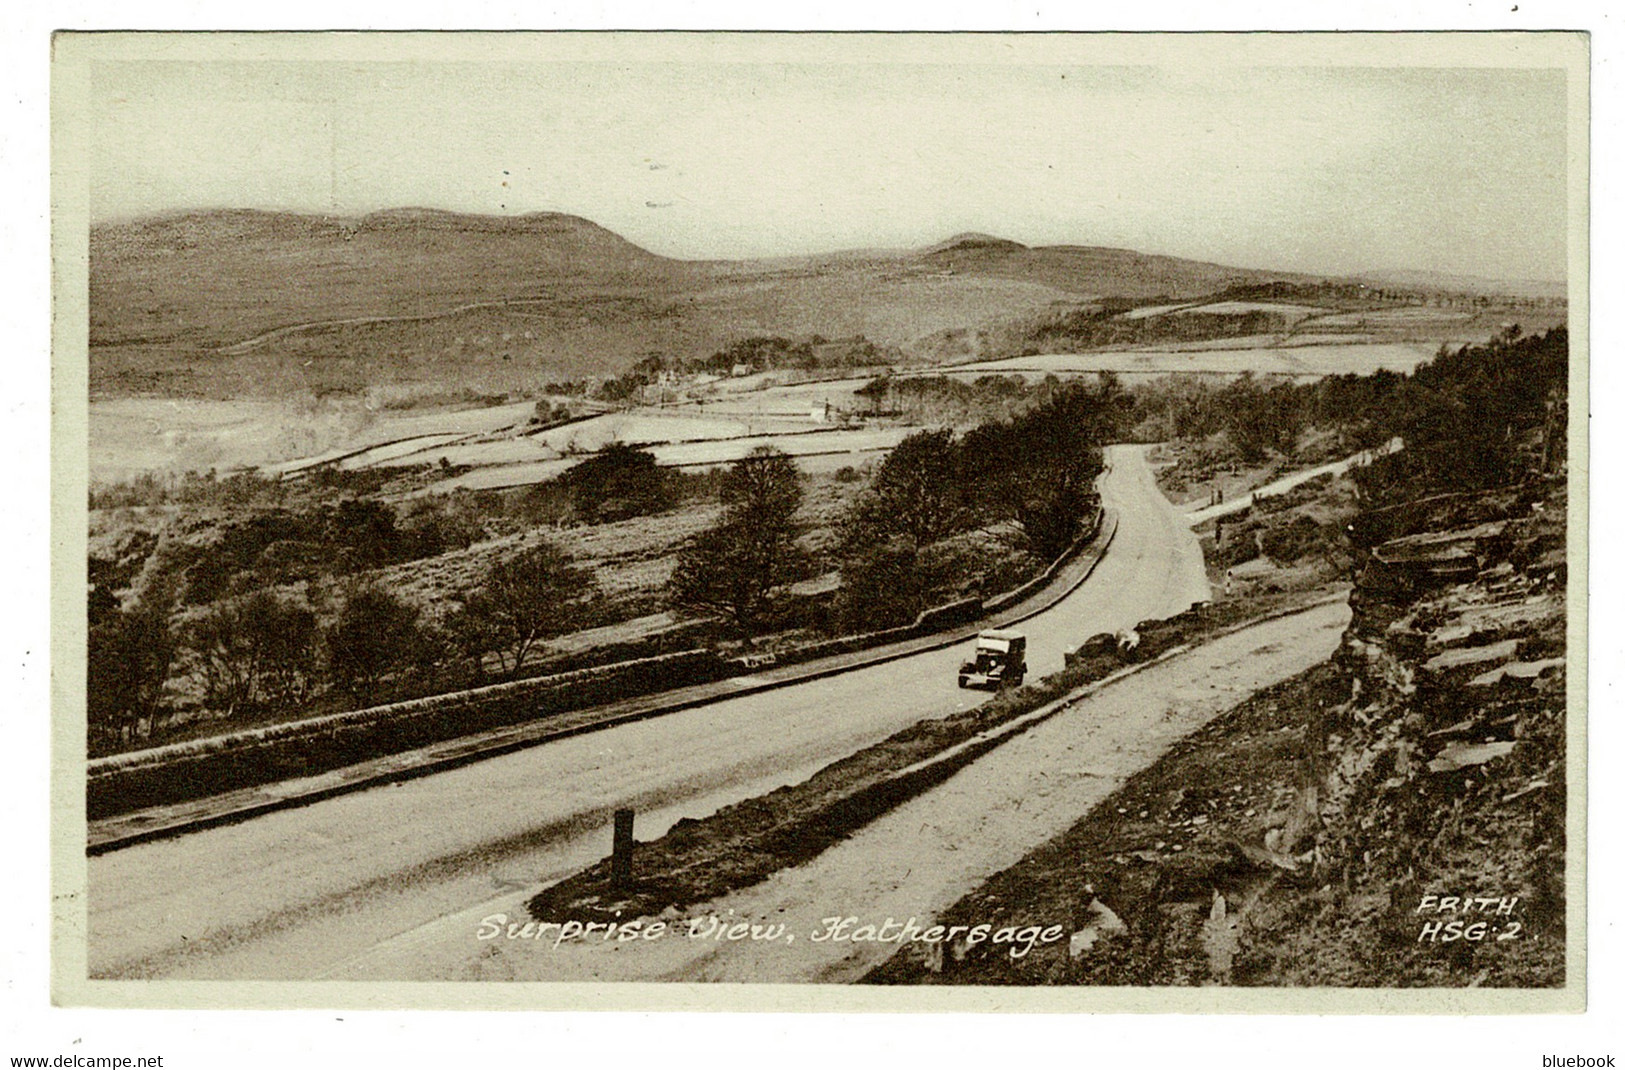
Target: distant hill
[971,244]
[238,302]
[213,278]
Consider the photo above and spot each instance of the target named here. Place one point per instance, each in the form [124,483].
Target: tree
[226,655]
[916,499]
[287,651]
[1468,416]
[917,492]
[617,482]
[130,652]
[875,390]
[1242,403]
[650,365]
[881,585]
[374,634]
[524,599]
[1284,418]
[366,529]
[737,568]
[1040,468]
[1259,420]
[438,525]
[259,647]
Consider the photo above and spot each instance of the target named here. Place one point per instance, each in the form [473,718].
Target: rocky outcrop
[1440,770]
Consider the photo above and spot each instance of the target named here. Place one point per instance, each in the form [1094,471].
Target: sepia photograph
[820,521]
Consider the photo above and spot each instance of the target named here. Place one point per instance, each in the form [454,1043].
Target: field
[1228,308]
[775,394]
[706,423]
[129,436]
[649,426]
[500,464]
[1391,316]
[890,307]
[1298,361]
[492,444]
[1237,308]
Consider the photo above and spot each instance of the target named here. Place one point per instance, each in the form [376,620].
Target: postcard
[822,521]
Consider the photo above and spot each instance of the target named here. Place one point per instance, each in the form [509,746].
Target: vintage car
[1000,661]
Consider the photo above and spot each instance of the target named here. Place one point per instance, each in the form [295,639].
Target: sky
[1312,168]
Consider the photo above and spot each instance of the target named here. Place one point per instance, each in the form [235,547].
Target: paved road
[310,892]
[921,857]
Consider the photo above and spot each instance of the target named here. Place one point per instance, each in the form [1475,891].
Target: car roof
[999,634]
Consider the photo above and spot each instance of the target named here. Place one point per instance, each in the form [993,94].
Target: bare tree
[255,648]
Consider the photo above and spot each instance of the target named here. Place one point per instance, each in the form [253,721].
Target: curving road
[312,892]
[921,857]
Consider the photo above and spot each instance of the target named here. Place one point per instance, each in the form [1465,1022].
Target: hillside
[237,303]
[207,279]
